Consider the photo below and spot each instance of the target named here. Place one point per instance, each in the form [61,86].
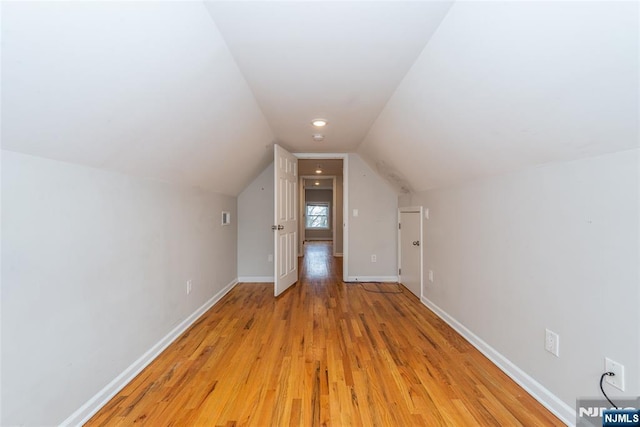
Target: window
[318,215]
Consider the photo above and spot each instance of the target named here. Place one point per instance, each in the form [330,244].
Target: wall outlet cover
[552,342]
[616,380]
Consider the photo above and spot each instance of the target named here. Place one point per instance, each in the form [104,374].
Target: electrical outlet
[374,258]
[431,276]
[189,286]
[270,258]
[426,213]
[552,342]
[616,380]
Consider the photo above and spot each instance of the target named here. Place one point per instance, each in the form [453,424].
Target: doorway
[410,249]
[317,207]
[321,208]
[308,165]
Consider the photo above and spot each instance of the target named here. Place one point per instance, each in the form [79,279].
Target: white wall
[94,273]
[255,237]
[374,230]
[555,247]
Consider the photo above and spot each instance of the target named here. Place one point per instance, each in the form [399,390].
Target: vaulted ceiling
[431,93]
[336,60]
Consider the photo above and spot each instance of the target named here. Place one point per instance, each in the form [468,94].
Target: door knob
[277,227]
[416,243]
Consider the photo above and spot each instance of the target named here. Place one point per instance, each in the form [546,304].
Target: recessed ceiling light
[317,183]
[319,122]
[318,137]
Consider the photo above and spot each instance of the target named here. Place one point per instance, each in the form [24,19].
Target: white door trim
[419,210]
[345,201]
[303,204]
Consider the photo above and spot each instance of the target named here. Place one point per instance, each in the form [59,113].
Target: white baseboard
[560,409]
[255,279]
[89,409]
[392,279]
[338,254]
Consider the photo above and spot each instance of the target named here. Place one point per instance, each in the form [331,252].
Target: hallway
[323,353]
[318,263]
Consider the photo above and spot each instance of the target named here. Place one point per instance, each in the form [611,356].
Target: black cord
[399,291]
[607,374]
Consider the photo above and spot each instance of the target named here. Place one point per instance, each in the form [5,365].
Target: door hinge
[399,226]
[399,272]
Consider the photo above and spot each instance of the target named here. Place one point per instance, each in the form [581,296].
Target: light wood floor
[323,353]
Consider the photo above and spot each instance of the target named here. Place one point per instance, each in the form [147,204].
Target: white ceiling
[332,167]
[503,86]
[318,184]
[336,60]
[431,94]
[145,88]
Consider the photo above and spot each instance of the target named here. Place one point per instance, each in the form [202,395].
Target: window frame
[327,205]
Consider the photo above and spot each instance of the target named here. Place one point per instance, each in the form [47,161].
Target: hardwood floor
[323,353]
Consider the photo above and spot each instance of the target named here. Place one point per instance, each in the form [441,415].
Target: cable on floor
[399,291]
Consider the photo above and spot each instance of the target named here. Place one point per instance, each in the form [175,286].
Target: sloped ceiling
[429,93]
[152,88]
[145,88]
[506,85]
[331,59]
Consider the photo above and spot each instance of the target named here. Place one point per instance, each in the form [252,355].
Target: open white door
[286,220]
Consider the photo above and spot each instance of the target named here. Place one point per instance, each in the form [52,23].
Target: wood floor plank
[324,353]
